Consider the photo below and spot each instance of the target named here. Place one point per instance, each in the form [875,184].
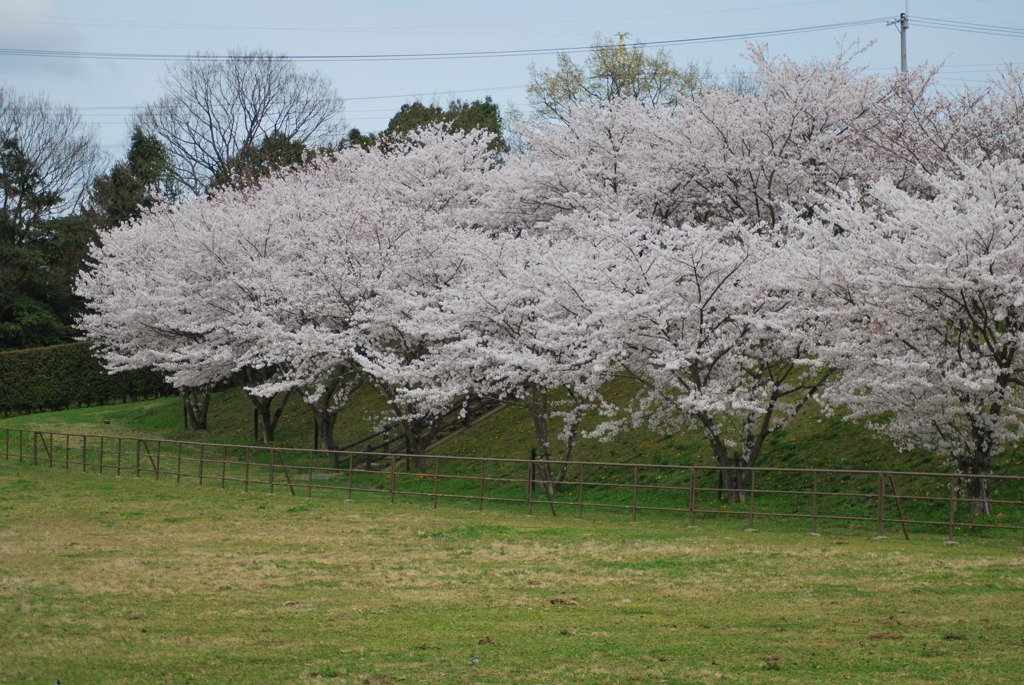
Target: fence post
[159,444]
[85,451]
[750,520]
[101,453]
[814,510]
[693,496]
[580,514]
[636,485]
[437,467]
[223,467]
[35,448]
[202,458]
[248,458]
[138,458]
[351,465]
[881,504]
[529,483]
[178,479]
[309,488]
[394,466]
[270,477]
[483,464]
[119,457]
[954,486]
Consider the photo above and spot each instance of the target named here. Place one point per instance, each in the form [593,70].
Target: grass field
[124,580]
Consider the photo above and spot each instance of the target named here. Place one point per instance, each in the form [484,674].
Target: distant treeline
[64,376]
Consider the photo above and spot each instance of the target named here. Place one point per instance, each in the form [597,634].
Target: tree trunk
[979,492]
[415,441]
[732,478]
[550,484]
[326,406]
[735,467]
[734,481]
[268,416]
[977,486]
[979,465]
[325,422]
[197,407]
[552,471]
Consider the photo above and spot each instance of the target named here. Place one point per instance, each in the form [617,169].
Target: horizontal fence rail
[872,500]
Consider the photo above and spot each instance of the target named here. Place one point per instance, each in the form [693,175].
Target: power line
[98,109]
[947,71]
[391,28]
[427,56]
[968,27]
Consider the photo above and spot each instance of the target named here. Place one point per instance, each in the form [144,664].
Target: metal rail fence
[859,499]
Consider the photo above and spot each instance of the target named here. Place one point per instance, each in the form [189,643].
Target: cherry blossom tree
[987,122]
[725,156]
[694,311]
[728,254]
[747,155]
[620,154]
[279,277]
[702,319]
[925,300]
[167,289]
[424,192]
[519,332]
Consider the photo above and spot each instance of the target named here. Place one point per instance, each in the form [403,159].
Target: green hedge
[64,376]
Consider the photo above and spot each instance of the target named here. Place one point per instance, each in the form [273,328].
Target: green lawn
[125,580]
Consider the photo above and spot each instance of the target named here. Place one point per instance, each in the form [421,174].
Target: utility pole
[904,25]
[622,46]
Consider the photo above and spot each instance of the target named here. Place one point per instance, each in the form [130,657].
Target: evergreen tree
[276,151]
[26,317]
[133,185]
[459,116]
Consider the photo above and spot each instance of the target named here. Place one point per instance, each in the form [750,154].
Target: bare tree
[215,108]
[62,148]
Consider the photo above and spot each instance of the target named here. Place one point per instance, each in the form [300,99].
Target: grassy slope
[108,580]
[812,440]
[230,420]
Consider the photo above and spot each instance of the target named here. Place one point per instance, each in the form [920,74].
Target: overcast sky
[107,90]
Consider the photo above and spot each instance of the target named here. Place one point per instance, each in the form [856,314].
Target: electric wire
[967,27]
[427,56]
[26,18]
